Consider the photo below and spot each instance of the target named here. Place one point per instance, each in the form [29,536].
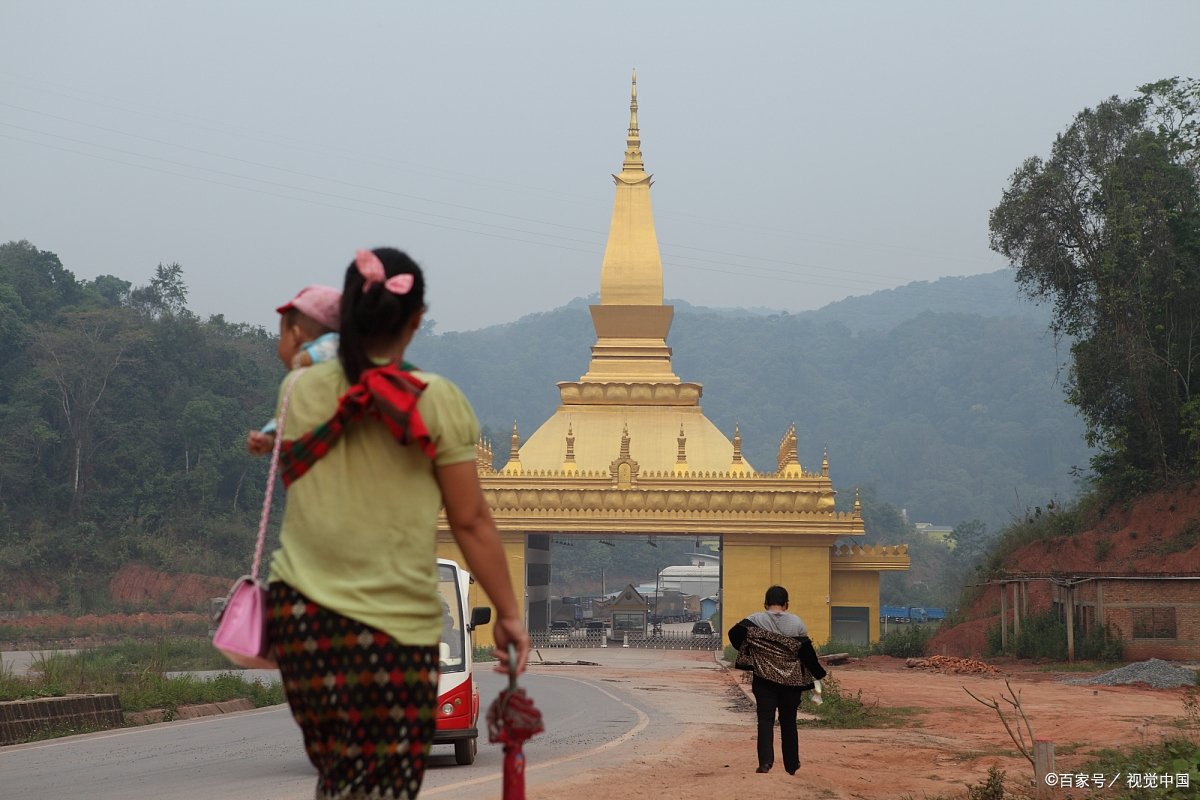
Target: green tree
[1107,231]
[971,541]
[74,363]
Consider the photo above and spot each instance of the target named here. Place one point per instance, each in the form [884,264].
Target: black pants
[770,696]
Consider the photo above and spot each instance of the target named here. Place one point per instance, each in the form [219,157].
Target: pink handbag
[242,627]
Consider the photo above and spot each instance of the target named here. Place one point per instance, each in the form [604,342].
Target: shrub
[1044,635]
[990,789]
[910,643]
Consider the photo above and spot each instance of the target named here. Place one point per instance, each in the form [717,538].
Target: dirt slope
[1159,532]
[166,591]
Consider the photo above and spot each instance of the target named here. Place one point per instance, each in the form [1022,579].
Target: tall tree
[74,363]
[1107,231]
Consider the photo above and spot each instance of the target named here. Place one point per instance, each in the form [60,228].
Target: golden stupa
[629,452]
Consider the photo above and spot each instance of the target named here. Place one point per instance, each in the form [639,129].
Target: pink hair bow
[371,268]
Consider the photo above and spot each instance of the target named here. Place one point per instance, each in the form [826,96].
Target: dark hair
[376,316]
[776,596]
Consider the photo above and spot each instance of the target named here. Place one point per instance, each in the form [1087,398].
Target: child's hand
[259,443]
[302,359]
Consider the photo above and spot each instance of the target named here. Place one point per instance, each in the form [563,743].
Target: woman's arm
[471,523]
[737,634]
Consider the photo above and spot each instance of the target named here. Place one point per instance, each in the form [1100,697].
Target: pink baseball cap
[321,303]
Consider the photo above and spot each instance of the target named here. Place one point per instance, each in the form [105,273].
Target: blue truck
[910,614]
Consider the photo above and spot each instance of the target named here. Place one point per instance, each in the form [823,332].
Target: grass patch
[135,671]
[50,632]
[910,641]
[1174,756]
[1187,538]
[482,653]
[730,653]
[842,710]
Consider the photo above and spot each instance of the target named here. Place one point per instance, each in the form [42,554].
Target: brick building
[1156,614]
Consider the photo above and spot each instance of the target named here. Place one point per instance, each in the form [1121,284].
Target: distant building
[941,532]
[699,581]
[708,607]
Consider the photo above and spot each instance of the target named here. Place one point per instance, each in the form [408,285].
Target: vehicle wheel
[465,750]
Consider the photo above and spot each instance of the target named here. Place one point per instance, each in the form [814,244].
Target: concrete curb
[738,680]
[744,684]
[20,719]
[153,715]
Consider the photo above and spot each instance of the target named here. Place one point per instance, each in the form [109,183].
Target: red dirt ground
[947,745]
[175,591]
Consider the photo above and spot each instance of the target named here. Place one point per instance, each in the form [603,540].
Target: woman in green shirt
[373,449]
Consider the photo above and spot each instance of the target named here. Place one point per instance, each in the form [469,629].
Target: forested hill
[992,294]
[123,419]
[123,415]
[952,416]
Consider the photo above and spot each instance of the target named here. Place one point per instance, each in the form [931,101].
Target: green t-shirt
[360,533]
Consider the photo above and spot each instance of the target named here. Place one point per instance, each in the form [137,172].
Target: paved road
[19,661]
[258,755]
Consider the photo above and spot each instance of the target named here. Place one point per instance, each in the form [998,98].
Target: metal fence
[664,640]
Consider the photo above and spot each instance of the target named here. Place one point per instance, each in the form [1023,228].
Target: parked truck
[902,614]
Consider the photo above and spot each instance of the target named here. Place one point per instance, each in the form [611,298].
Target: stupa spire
[681,465]
[632,270]
[569,465]
[738,466]
[633,143]
[514,453]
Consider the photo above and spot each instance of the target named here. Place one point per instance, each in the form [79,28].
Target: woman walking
[373,449]
[775,645]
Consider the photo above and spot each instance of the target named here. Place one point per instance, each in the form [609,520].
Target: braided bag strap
[266,509]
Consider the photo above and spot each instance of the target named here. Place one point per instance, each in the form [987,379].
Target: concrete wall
[749,570]
[857,588]
[514,553]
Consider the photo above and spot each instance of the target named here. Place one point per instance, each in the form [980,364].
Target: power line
[889,284]
[426,170]
[846,282]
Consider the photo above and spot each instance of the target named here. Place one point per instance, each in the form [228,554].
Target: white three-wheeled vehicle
[458,697]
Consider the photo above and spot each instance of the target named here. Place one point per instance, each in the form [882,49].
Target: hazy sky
[801,152]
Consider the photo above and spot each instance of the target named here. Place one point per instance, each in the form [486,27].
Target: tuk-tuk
[457,712]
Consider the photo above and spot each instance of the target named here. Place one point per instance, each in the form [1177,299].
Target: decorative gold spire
[825,463]
[738,466]
[632,270]
[633,144]
[788,460]
[624,469]
[681,465]
[569,465]
[857,505]
[514,453]
[482,465]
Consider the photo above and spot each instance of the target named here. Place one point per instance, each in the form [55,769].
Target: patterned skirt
[364,702]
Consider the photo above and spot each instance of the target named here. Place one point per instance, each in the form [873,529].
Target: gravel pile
[1155,672]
